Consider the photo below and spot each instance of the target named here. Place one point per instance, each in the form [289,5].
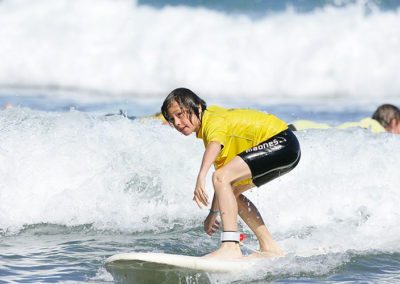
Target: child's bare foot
[227,250]
[270,249]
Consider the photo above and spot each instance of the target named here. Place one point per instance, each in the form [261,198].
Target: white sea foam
[76,169]
[342,196]
[121,48]
[134,176]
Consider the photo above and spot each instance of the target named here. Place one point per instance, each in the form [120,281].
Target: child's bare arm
[210,154]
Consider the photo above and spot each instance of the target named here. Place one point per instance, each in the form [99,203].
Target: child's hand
[200,194]
[211,224]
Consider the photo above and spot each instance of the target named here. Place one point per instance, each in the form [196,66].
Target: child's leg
[268,160]
[251,216]
[223,179]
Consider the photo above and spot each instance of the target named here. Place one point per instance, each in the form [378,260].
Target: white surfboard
[161,267]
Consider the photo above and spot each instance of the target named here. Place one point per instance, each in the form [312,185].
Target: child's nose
[177,122]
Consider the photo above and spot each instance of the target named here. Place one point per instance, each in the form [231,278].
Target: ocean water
[77,186]
[124,48]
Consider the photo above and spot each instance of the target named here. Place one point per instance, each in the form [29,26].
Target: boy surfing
[248,148]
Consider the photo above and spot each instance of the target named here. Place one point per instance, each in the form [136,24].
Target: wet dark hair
[385,114]
[186,99]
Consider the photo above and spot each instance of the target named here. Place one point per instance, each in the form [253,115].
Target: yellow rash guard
[237,130]
[366,123]
[307,124]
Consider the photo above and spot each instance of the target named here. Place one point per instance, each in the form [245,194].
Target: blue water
[257,7]
[77,186]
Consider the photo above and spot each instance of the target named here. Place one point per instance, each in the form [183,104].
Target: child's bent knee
[219,178]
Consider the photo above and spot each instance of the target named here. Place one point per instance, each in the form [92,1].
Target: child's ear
[200,110]
[393,123]
[391,127]
[395,126]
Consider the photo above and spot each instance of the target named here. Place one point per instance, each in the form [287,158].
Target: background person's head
[389,117]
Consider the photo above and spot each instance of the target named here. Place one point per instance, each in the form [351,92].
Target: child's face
[181,121]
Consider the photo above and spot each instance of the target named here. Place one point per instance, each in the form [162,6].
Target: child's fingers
[204,198]
[205,195]
[201,197]
[197,201]
[216,225]
[201,202]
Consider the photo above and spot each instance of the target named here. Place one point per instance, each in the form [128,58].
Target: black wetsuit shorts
[273,157]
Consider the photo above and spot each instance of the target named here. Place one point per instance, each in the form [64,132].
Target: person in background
[389,117]
[385,119]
